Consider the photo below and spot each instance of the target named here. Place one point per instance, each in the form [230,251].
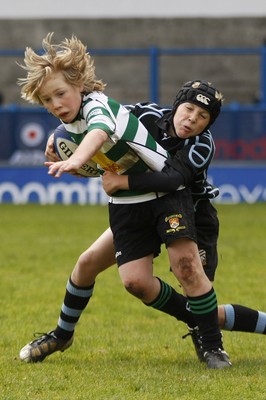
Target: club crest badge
[174,223]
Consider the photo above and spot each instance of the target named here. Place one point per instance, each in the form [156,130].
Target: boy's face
[190,120]
[60,98]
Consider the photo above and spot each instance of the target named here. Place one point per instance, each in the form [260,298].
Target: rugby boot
[194,333]
[217,359]
[43,346]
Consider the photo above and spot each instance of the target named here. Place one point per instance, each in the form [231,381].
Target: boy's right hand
[50,153]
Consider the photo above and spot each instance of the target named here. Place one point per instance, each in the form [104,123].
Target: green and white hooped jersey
[130,147]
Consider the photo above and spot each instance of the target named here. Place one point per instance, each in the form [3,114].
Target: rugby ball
[65,146]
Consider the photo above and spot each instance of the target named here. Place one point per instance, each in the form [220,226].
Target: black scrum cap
[203,94]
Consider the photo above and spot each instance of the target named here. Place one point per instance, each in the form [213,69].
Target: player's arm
[147,182]
[167,180]
[89,146]
[180,170]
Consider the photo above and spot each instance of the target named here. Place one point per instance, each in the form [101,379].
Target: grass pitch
[122,349]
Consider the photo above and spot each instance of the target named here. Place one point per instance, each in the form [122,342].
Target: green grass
[122,349]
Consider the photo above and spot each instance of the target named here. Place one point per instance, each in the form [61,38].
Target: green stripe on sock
[205,300]
[203,306]
[165,294]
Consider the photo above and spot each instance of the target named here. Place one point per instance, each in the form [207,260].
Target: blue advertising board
[22,185]
[239,134]
[23,134]
[237,184]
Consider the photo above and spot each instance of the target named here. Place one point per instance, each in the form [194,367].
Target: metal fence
[155,54]
[240,131]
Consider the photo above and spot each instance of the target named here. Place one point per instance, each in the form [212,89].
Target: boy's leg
[93,261]
[201,298]
[243,319]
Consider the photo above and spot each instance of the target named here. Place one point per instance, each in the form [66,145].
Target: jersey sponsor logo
[203,99]
[105,162]
[96,111]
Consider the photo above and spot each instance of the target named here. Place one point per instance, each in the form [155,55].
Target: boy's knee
[134,287]
[187,270]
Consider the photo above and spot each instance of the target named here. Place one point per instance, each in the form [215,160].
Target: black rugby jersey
[190,158]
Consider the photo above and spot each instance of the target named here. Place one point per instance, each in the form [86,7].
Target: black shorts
[207,227]
[140,229]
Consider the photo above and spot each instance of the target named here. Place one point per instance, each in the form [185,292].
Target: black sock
[244,319]
[172,303]
[75,301]
[204,310]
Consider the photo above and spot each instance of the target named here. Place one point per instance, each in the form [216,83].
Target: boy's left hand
[56,169]
[113,182]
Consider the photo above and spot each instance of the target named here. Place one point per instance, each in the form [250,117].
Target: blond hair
[70,57]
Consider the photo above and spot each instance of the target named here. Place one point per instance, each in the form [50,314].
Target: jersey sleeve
[147,113]
[195,156]
[97,116]
[182,169]
[167,180]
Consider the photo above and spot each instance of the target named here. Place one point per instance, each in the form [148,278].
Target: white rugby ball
[65,146]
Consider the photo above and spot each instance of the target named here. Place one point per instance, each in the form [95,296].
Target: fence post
[154,74]
[263,75]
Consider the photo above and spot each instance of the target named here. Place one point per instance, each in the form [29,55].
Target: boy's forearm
[156,181]
[90,145]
